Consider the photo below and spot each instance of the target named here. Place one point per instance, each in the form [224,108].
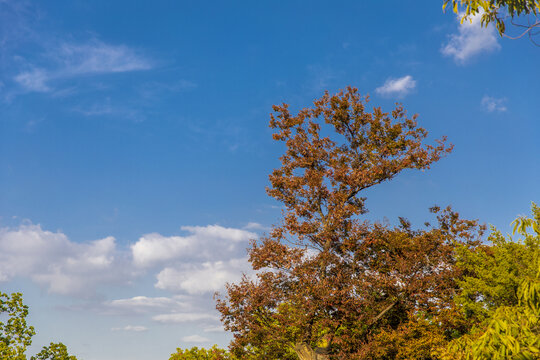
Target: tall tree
[328,282]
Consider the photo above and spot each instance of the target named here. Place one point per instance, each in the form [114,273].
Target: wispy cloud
[107,109]
[471,40]
[180,318]
[34,80]
[136,328]
[70,60]
[195,339]
[492,104]
[97,57]
[143,305]
[398,87]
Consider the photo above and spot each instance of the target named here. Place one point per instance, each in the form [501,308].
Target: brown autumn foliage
[329,284]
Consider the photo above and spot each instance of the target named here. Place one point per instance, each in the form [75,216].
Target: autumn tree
[329,282]
[522,14]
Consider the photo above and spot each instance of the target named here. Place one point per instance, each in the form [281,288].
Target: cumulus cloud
[399,87]
[203,243]
[178,318]
[72,60]
[136,328]
[492,104]
[471,40]
[195,339]
[200,262]
[202,278]
[53,261]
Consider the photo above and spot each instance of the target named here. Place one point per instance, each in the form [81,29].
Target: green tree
[493,273]
[499,11]
[15,334]
[503,290]
[329,283]
[55,351]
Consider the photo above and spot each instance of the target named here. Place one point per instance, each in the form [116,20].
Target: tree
[498,11]
[504,283]
[15,334]
[55,351]
[214,353]
[328,283]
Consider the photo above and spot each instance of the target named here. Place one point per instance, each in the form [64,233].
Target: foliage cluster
[16,334]
[499,11]
[214,353]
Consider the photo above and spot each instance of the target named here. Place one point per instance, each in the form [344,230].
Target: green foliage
[496,11]
[54,352]
[507,294]
[214,353]
[493,274]
[15,334]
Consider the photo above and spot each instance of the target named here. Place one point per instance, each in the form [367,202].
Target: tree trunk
[305,352]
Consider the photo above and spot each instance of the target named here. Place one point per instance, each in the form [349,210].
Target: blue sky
[135,149]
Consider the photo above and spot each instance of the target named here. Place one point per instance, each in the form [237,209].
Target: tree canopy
[55,351]
[195,353]
[502,290]
[329,284]
[16,334]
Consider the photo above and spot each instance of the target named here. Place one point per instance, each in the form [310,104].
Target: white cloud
[97,57]
[105,108]
[255,226]
[144,304]
[136,328]
[492,104]
[178,318]
[72,60]
[195,339]
[217,328]
[53,261]
[34,80]
[471,40]
[400,86]
[202,278]
[203,243]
